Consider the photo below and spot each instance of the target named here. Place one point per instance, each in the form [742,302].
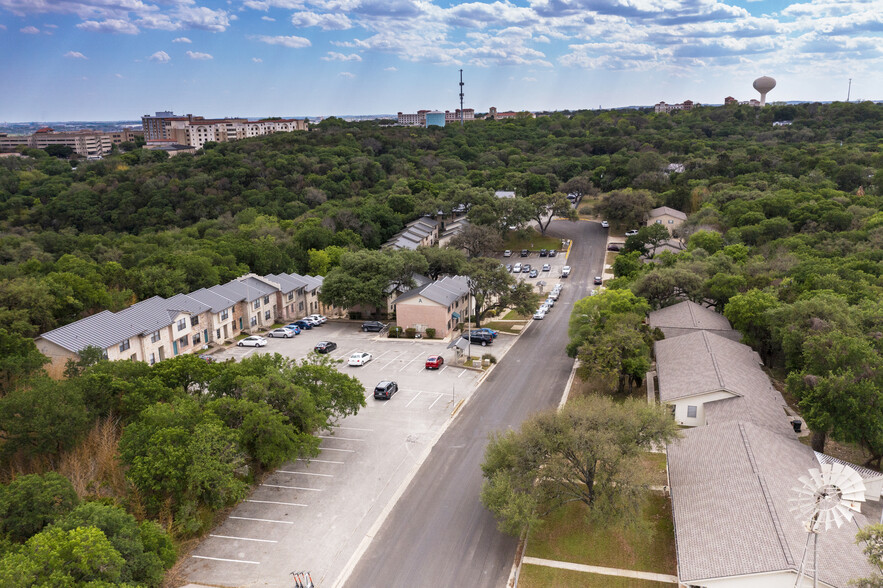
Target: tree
[588,452]
[545,207]
[749,314]
[492,288]
[872,537]
[19,358]
[619,351]
[647,240]
[443,261]
[579,186]
[477,241]
[30,503]
[626,208]
[710,241]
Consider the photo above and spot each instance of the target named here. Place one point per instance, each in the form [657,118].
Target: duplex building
[685,105]
[668,217]
[688,317]
[439,305]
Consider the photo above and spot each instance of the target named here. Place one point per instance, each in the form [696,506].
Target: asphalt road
[439,534]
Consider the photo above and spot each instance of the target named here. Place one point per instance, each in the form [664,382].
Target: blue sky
[119,59]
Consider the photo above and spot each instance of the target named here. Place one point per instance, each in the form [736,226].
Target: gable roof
[688,315]
[215,300]
[665,210]
[445,291]
[287,282]
[730,488]
[102,330]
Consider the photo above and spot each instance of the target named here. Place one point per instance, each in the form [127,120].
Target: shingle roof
[688,315]
[663,210]
[730,487]
[216,301]
[445,291]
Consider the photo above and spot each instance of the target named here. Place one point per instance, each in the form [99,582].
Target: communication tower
[461,97]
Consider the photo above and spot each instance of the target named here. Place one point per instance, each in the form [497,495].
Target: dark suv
[385,389]
[481,337]
[373,326]
[525,253]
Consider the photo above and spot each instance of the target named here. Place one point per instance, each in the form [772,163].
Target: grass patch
[514,316]
[242,335]
[654,465]
[542,577]
[850,452]
[505,327]
[567,536]
[611,256]
[534,242]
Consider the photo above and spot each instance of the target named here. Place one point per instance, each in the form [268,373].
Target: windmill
[827,498]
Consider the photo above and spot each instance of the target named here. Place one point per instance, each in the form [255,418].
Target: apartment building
[196,131]
[418,119]
[85,143]
[685,105]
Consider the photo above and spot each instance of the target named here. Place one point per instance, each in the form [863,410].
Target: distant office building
[418,119]
[196,131]
[84,143]
[730,100]
[435,118]
[493,113]
[663,107]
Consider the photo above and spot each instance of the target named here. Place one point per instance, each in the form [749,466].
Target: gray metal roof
[313,282]
[445,291]
[102,330]
[730,488]
[216,301]
[287,282]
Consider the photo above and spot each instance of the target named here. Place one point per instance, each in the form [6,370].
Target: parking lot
[313,515]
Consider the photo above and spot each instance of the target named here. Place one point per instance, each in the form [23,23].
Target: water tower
[763,85]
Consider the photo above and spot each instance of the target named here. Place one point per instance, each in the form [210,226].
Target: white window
[254,320]
[257,304]
[691,412]
[301,306]
[197,338]
[291,295]
[183,341]
[659,222]
[194,320]
[671,222]
[266,300]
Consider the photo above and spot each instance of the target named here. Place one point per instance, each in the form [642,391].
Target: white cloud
[111,25]
[291,41]
[257,59]
[160,56]
[527,79]
[116,75]
[327,22]
[391,68]
[181,40]
[30,30]
[268,18]
[48,26]
[334,56]
[75,55]
[2,27]
[347,75]
[199,56]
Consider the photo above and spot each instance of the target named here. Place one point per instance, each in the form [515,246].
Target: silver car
[253,341]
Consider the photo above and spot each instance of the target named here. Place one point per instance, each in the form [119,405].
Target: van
[565,271]
[516,269]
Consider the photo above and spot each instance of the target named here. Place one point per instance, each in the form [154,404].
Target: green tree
[749,314]
[477,241]
[545,207]
[626,208]
[19,358]
[588,452]
[493,288]
[872,537]
[710,241]
[31,502]
[443,261]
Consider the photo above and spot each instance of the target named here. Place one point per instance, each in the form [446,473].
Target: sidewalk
[599,570]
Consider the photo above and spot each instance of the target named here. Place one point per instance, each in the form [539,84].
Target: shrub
[430,333]
[395,332]
[410,332]
[31,502]
[489,357]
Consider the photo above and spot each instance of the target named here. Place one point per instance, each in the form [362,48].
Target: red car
[434,362]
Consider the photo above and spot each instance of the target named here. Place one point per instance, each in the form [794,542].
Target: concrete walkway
[599,570]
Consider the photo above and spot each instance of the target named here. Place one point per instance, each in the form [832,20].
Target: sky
[121,59]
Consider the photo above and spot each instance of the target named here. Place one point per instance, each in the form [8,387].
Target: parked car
[550,302]
[525,253]
[294,328]
[544,252]
[491,332]
[359,358]
[516,269]
[554,295]
[598,280]
[313,321]
[509,267]
[631,233]
[373,326]
[207,357]
[253,341]
[533,273]
[553,252]
[303,324]
[480,337]
[565,271]
[547,267]
[325,346]
[525,269]
[615,247]
[507,253]
[605,225]
[434,362]
[319,317]
[283,332]
[539,314]
[385,389]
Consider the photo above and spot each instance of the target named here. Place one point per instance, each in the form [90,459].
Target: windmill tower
[827,499]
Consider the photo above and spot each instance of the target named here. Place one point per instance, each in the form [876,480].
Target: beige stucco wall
[698,401]
[666,220]
[57,355]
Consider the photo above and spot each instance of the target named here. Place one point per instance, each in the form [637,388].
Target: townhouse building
[196,131]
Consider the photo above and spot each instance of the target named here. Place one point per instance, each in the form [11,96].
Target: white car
[253,341]
[565,271]
[631,233]
[359,358]
[539,315]
[550,302]
[507,253]
[318,317]
[313,321]
[605,225]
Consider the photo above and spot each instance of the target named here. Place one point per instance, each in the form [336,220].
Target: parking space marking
[334,449]
[404,367]
[338,438]
[462,373]
[292,487]
[273,502]
[245,561]
[393,359]
[444,367]
[415,398]
[318,460]
[352,428]
[243,538]
[262,520]
[436,400]
[384,353]
[304,473]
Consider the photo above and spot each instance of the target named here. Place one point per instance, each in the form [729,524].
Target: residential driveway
[314,515]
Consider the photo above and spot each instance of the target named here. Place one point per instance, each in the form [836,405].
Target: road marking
[245,561]
[333,449]
[384,353]
[318,460]
[352,428]
[304,473]
[404,367]
[273,502]
[413,399]
[391,361]
[444,367]
[262,520]
[436,400]
[243,538]
[292,487]
[462,372]
[338,438]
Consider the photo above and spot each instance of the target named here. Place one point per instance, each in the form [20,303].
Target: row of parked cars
[287,332]
[544,309]
[532,272]
[526,253]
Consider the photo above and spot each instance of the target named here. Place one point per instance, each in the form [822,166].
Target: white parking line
[245,561]
[262,520]
[461,373]
[444,367]
[338,438]
[436,400]
[404,367]
[292,487]
[304,473]
[413,399]
[273,502]
[352,428]
[391,361]
[318,460]
[243,538]
[384,353]
[333,449]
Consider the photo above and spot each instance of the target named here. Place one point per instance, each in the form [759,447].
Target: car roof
[384,383]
